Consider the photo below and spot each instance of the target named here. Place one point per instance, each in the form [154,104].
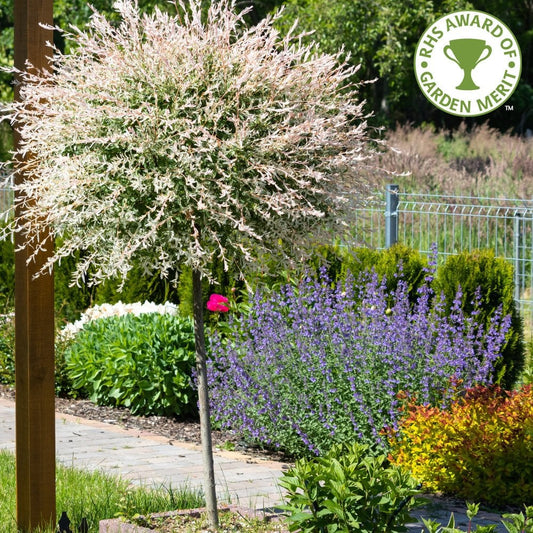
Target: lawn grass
[93,495]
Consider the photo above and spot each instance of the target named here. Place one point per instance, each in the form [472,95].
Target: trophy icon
[467,53]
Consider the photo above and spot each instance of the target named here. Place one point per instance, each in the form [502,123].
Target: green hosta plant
[348,489]
[142,362]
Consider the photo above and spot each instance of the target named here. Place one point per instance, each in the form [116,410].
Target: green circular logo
[468,63]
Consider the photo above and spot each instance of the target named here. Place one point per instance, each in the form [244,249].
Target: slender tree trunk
[203,400]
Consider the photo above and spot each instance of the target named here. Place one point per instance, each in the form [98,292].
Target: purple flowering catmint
[322,363]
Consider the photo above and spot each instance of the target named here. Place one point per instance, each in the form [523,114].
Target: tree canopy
[382,35]
[171,140]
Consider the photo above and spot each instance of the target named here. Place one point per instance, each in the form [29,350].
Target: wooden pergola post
[34,322]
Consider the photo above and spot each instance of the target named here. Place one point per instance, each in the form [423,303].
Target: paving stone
[151,460]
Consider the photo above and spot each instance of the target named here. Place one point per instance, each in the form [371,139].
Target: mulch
[175,429]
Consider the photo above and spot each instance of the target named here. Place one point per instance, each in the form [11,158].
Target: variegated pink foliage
[170,140]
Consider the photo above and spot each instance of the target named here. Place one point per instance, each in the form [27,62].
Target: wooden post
[34,323]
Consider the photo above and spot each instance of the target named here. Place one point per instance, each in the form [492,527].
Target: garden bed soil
[174,429]
[438,508]
[168,522]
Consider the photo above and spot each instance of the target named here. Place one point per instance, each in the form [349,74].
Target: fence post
[391,216]
[34,305]
[517,237]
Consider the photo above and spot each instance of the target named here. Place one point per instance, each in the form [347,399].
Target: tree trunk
[203,401]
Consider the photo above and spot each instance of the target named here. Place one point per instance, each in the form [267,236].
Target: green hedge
[70,301]
[470,270]
[494,276]
[387,263]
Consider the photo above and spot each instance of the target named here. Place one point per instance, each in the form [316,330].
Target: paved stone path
[151,460]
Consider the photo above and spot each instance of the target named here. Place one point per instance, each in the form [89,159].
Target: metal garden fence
[455,224]
[6,193]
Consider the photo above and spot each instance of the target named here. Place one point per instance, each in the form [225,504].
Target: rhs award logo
[468,63]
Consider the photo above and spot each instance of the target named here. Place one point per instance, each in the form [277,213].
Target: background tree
[519,17]
[258,9]
[382,35]
[173,141]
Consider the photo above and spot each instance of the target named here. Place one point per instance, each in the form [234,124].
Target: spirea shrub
[317,364]
[479,448]
[143,362]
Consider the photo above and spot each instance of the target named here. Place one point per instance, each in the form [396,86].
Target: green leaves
[472,510]
[348,489]
[520,522]
[142,362]
[381,36]
[514,523]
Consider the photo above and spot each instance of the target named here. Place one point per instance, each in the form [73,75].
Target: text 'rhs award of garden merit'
[468,63]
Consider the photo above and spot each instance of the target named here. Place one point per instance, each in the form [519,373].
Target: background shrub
[138,287]
[470,161]
[479,448]
[494,276]
[69,301]
[7,349]
[226,282]
[7,275]
[391,264]
[348,490]
[63,383]
[319,364]
[526,378]
[142,362]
